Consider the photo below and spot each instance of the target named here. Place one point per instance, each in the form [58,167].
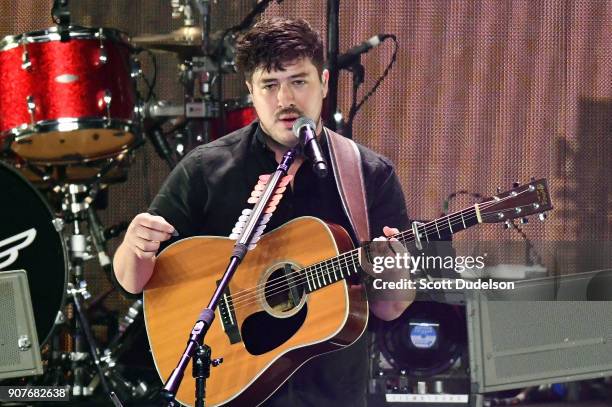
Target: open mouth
[288,120]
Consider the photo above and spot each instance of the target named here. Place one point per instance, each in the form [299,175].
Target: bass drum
[29,241]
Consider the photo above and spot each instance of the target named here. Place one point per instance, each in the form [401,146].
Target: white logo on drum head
[9,256]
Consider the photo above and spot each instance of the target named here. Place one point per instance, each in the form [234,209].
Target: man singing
[282,62]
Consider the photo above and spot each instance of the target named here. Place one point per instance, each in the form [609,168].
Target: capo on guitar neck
[417,235]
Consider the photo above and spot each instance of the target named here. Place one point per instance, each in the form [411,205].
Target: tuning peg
[542,217]
[507,224]
[498,190]
[524,220]
[532,179]
[515,184]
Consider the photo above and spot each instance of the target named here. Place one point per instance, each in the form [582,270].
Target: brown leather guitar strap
[346,164]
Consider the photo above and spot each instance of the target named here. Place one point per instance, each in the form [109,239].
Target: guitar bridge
[228,317]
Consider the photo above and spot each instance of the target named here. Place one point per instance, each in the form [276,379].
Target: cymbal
[184,41]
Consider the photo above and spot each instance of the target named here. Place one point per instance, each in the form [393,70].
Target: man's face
[280,97]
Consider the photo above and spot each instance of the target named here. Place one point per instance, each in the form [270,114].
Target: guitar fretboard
[347,264]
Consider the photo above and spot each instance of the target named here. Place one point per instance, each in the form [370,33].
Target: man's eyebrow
[295,76]
[299,75]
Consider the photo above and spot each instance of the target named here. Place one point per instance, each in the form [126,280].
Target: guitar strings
[454,215]
[241,298]
[327,268]
[281,281]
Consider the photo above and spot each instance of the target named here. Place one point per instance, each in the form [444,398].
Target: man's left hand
[387,304]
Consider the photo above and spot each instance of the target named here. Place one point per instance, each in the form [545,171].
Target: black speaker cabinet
[19,348]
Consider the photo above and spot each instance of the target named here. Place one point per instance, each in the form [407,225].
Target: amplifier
[19,348]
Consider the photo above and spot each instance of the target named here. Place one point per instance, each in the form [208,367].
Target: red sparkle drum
[67,101]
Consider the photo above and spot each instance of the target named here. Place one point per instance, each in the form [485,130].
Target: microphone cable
[356,106]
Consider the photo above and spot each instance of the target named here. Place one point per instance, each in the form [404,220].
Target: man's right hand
[145,233]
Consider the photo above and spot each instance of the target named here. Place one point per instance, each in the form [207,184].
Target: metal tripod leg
[76,206]
[120,341]
[93,347]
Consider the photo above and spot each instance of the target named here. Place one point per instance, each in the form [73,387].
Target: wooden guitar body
[263,332]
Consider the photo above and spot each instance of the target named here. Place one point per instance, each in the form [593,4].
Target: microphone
[304,130]
[349,56]
[161,145]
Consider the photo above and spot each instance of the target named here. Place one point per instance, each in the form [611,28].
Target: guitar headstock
[519,202]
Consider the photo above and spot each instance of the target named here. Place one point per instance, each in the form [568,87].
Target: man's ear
[250,86]
[325,81]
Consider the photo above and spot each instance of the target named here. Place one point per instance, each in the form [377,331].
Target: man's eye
[269,86]
[299,82]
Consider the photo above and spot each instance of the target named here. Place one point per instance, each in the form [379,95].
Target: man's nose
[285,96]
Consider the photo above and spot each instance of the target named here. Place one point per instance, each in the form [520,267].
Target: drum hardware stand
[207,107]
[106,365]
[207,71]
[117,346]
[44,175]
[76,208]
[61,16]
[73,207]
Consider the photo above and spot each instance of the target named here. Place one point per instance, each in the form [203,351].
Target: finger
[145,245]
[155,223]
[143,255]
[390,231]
[150,234]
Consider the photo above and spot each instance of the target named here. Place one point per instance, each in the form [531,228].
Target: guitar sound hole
[283,291]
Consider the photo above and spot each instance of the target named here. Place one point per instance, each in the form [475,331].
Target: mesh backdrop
[483,93]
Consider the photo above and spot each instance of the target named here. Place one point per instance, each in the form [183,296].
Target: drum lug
[58,224]
[26,64]
[31,108]
[103,55]
[108,98]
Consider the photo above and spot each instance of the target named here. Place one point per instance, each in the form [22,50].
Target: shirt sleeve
[386,203]
[182,197]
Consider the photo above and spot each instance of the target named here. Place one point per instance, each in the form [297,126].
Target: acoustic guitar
[289,300]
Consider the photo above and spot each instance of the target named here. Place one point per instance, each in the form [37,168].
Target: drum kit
[71,122]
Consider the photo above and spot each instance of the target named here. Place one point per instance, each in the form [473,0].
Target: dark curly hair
[271,43]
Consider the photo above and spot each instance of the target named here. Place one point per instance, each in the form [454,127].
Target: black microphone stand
[333,20]
[195,344]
